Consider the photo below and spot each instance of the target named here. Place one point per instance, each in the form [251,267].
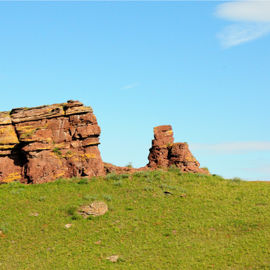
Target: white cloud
[249,11]
[232,147]
[129,86]
[252,17]
[236,34]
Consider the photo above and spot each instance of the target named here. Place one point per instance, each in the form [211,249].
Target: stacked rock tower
[159,152]
[165,153]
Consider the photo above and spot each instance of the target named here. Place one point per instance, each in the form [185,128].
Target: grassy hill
[156,220]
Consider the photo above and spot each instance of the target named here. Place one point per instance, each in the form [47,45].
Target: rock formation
[44,143]
[165,153]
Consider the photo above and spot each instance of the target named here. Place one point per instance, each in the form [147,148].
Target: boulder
[97,208]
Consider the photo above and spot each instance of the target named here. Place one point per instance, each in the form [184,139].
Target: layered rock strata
[164,153]
[44,143]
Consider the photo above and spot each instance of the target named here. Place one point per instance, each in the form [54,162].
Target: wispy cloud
[239,33]
[232,147]
[252,21]
[129,86]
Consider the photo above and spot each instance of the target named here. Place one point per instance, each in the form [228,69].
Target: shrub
[118,183]
[107,197]
[112,176]
[83,181]
[173,169]
[72,211]
[236,179]
[129,165]
[88,197]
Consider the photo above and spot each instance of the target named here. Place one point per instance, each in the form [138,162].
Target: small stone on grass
[113,258]
[94,209]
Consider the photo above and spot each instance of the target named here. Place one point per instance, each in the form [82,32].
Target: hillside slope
[156,220]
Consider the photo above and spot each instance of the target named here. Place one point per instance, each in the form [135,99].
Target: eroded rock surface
[165,153]
[44,143]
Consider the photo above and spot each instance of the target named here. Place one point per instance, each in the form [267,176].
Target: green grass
[156,220]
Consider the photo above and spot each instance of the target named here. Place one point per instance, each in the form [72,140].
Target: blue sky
[202,67]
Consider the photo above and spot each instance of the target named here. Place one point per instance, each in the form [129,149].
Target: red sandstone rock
[41,144]
[9,170]
[165,153]
[163,136]
[158,156]
[181,157]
